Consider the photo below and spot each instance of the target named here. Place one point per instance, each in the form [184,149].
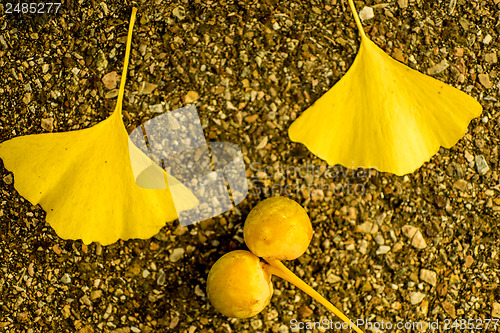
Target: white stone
[428,276]
[418,241]
[487,39]
[331,277]
[436,69]
[482,165]
[379,239]
[416,297]
[403,4]
[383,249]
[179,12]
[366,13]
[176,254]
[66,278]
[256,324]
[367,227]
[409,230]
[363,246]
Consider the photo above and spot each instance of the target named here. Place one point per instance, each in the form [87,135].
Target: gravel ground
[422,247]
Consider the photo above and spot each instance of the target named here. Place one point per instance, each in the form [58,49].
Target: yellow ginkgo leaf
[85,182]
[384,115]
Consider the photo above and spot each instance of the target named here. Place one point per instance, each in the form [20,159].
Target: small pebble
[101,62]
[147,88]
[438,68]
[468,261]
[262,144]
[179,12]
[198,291]
[379,239]
[495,311]
[317,194]
[95,294]
[157,108]
[104,8]
[418,241]
[367,227]
[460,185]
[9,179]
[398,55]
[409,230]
[363,246]
[428,276]
[487,39]
[403,4]
[48,124]
[484,79]
[305,311]
[109,80]
[66,278]
[331,277]
[112,93]
[161,277]
[383,249]
[176,254]
[191,97]
[449,309]
[85,300]
[256,324]
[31,269]
[491,58]
[416,297]
[468,156]
[464,23]
[482,165]
[366,13]
[283,329]
[174,322]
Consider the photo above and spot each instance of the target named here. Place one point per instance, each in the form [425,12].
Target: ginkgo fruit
[84,179]
[239,284]
[278,228]
[384,115]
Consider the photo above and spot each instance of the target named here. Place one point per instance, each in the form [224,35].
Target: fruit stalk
[277,268]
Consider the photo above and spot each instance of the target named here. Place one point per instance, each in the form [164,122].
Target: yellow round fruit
[238,286]
[278,228]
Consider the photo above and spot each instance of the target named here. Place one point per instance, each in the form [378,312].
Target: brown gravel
[251,68]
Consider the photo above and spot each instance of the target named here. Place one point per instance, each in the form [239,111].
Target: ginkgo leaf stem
[118,108]
[277,268]
[356,18]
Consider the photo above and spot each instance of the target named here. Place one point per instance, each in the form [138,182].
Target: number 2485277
[32,8]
